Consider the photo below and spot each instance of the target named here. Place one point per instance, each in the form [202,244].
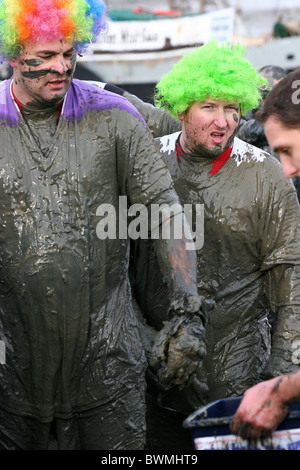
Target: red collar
[20,106]
[18,102]
[178,150]
[220,161]
[216,164]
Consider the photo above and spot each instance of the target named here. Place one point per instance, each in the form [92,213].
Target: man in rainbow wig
[249,262]
[72,156]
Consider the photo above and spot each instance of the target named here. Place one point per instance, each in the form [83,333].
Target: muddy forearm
[179,265]
[285,391]
[283,290]
[290,388]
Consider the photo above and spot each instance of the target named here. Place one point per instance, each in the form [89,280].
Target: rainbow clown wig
[218,72]
[80,21]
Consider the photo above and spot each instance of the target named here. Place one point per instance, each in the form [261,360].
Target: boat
[283,52]
[257,29]
[141,46]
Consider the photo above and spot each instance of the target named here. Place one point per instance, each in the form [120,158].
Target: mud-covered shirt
[248,262]
[66,317]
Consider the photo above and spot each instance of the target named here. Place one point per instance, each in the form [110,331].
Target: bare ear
[13,62]
[181,116]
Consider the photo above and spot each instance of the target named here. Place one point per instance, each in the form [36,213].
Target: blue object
[214,420]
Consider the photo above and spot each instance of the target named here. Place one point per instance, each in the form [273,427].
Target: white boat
[139,48]
[141,45]
[284,52]
[140,51]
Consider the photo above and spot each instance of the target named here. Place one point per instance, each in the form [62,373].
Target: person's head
[273,74]
[280,115]
[209,90]
[40,39]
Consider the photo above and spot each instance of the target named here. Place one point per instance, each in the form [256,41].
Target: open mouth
[56,83]
[217,137]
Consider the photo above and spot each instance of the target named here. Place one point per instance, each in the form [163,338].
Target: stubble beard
[203,151]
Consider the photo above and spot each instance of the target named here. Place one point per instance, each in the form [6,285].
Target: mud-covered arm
[147,181]
[179,347]
[175,353]
[159,121]
[283,288]
[281,263]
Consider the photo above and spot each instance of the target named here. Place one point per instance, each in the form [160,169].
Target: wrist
[184,303]
[294,381]
[289,388]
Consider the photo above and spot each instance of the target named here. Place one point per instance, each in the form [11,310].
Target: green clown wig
[218,72]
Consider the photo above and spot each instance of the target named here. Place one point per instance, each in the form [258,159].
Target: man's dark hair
[283,102]
[273,73]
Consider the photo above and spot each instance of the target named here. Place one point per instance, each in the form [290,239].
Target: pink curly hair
[37,23]
[43,20]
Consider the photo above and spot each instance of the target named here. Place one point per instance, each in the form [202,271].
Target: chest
[60,190]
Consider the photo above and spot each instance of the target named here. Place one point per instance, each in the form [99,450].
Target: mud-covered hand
[178,350]
[263,407]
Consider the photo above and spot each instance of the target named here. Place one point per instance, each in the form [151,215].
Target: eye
[69,55]
[285,151]
[233,108]
[45,56]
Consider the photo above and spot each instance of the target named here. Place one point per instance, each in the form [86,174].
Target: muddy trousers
[115,426]
[164,427]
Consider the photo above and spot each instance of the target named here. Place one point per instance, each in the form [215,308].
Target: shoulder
[4,84]
[243,152]
[92,96]
[167,143]
[248,155]
[99,94]
[263,168]
[8,108]
[4,89]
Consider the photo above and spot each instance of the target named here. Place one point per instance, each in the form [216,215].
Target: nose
[60,65]
[289,169]
[220,118]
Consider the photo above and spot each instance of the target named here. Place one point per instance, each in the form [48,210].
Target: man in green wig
[249,259]
[72,358]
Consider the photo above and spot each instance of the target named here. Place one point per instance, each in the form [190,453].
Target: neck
[21,106]
[34,105]
[202,151]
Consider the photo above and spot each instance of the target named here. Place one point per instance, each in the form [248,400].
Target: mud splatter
[34,62]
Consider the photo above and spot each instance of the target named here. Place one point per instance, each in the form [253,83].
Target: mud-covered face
[286,143]
[209,124]
[43,72]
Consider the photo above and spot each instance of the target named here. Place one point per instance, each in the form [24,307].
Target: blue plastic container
[210,430]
